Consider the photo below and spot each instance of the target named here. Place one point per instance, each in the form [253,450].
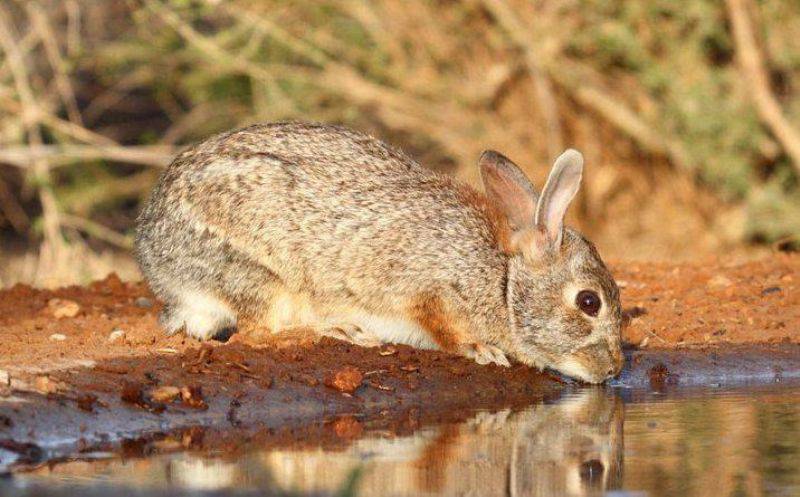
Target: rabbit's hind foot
[350,333]
[200,315]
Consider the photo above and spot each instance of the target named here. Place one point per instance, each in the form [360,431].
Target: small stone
[772,289]
[58,337]
[165,394]
[62,308]
[45,385]
[719,281]
[117,335]
[132,393]
[143,302]
[348,427]
[192,396]
[387,350]
[346,379]
[5,378]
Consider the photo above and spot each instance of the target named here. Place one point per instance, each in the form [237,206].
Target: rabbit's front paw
[486,354]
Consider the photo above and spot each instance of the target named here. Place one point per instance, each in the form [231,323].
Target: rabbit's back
[329,212]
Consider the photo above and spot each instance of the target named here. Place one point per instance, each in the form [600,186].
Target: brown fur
[429,312]
[297,224]
[497,222]
[432,464]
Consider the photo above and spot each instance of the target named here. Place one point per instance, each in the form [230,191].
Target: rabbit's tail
[201,314]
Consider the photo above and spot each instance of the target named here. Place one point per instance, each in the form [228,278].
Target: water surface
[594,441]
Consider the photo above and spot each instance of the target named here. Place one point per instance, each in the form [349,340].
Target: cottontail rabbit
[316,227]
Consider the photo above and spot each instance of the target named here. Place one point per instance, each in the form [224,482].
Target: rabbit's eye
[588,302]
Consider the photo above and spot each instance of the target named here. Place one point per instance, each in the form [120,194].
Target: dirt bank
[712,302]
[84,367]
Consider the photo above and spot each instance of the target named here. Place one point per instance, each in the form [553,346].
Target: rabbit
[318,229]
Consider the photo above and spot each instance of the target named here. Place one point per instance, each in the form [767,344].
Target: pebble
[346,379]
[719,281]
[45,385]
[62,308]
[387,350]
[58,337]
[5,378]
[143,302]
[165,393]
[116,335]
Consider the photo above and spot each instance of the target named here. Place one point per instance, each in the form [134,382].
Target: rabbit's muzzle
[593,363]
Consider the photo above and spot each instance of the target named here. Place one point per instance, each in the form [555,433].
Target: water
[595,441]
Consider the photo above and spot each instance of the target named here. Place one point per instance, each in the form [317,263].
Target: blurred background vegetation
[687,111]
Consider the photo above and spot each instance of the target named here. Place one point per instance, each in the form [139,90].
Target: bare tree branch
[42,25]
[542,84]
[567,75]
[22,156]
[97,230]
[755,76]
[53,245]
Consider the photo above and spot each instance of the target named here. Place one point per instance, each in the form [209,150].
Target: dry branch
[22,156]
[542,84]
[567,75]
[42,26]
[755,76]
[98,231]
[13,212]
[396,108]
[35,113]
[53,245]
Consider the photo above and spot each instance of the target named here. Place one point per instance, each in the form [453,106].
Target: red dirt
[713,302]
[666,305]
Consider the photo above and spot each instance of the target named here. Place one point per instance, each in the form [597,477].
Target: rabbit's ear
[561,187]
[508,187]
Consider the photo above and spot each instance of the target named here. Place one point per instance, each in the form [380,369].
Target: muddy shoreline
[86,369]
[300,410]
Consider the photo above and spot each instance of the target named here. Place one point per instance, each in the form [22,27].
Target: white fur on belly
[293,310]
[391,330]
